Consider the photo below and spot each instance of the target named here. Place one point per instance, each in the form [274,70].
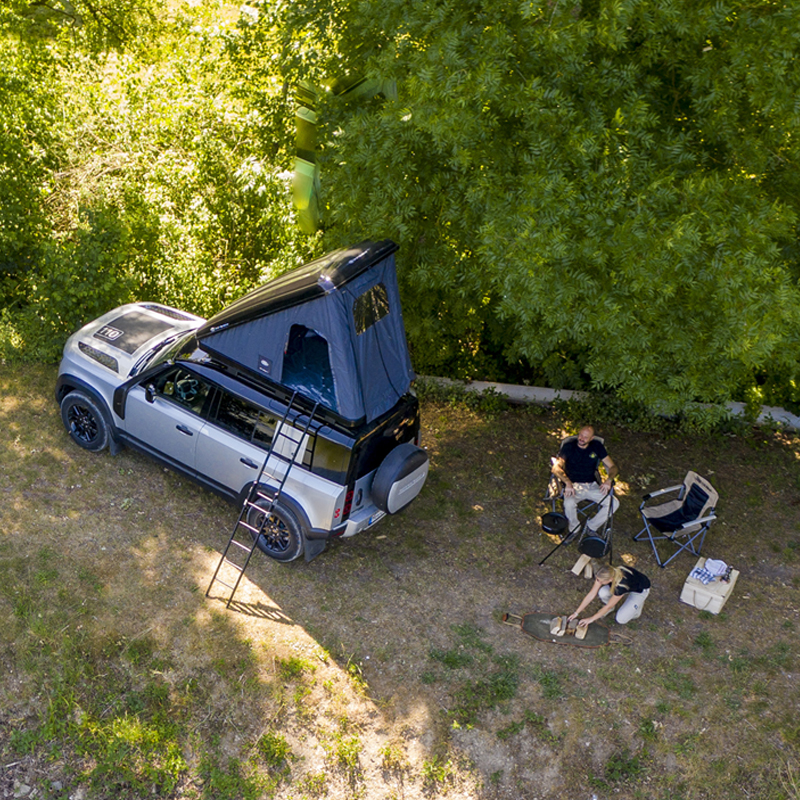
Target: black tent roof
[300,285]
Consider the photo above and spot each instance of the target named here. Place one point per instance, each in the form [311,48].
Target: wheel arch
[67,384]
[285,499]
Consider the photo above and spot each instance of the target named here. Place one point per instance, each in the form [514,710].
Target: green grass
[126,681]
[532,721]
[452,659]
[436,772]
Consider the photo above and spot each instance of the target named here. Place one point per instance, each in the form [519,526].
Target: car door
[233,445]
[165,415]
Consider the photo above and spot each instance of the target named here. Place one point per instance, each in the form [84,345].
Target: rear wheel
[282,538]
[84,421]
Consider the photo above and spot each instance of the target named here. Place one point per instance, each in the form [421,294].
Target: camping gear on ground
[708,595]
[555,524]
[563,626]
[594,544]
[683,520]
[539,627]
[583,565]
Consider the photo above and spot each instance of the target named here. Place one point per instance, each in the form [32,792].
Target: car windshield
[167,350]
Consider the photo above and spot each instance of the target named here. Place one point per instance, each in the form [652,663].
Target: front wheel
[84,421]
[282,538]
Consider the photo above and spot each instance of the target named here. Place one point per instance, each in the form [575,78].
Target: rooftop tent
[331,329]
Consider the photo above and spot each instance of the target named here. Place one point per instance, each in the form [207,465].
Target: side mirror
[150,393]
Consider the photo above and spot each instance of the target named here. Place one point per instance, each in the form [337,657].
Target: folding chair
[683,520]
[586,509]
[555,488]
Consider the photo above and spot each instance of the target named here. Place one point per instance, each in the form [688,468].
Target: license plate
[375,518]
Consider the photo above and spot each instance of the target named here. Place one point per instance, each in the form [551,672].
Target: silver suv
[307,363]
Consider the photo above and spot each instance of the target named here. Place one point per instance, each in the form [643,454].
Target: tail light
[348,504]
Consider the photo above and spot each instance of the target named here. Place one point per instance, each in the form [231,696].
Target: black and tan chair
[680,522]
[555,487]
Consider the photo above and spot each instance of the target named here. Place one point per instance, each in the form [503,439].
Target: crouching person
[613,585]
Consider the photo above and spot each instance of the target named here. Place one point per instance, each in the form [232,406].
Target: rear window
[370,451]
[331,460]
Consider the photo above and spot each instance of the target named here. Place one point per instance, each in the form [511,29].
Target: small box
[707,596]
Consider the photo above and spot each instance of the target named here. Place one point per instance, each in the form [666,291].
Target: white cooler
[708,596]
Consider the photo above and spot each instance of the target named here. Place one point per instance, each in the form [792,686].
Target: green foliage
[294,667]
[143,177]
[489,402]
[97,25]
[550,681]
[437,771]
[29,100]
[226,781]
[484,694]
[531,720]
[603,196]
[594,197]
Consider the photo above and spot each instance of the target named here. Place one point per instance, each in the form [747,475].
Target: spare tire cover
[399,479]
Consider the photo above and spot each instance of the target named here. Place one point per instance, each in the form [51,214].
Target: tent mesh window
[307,366]
[370,307]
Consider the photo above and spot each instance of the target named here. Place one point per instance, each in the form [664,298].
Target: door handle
[248,463]
[184,429]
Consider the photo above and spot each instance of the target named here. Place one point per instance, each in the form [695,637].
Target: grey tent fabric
[348,299]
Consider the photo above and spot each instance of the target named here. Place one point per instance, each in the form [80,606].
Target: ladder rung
[271,499]
[249,527]
[254,504]
[263,497]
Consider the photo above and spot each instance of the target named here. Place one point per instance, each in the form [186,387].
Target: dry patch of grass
[382,669]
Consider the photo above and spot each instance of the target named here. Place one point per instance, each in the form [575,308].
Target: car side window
[245,420]
[184,388]
[237,416]
[250,423]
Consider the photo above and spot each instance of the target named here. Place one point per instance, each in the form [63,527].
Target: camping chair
[683,520]
[555,487]
[555,522]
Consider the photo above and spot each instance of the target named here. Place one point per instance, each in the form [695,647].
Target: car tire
[84,421]
[399,478]
[282,538]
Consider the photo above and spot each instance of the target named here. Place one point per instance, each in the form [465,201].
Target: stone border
[534,394]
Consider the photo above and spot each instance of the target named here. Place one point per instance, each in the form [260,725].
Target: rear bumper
[364,518]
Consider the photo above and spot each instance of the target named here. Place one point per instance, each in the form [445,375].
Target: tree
[605,190]
[100,25]
[28,100]
[131,175]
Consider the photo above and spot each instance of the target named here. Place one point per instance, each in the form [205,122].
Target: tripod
[595,545]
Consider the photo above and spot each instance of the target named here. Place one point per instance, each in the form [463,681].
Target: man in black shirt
[576,467]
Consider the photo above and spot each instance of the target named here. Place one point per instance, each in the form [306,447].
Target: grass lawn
[382,669]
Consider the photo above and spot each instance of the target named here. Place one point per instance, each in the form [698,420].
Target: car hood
[120,338]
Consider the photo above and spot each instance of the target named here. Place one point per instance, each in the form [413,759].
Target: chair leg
[689,544]
[648,532]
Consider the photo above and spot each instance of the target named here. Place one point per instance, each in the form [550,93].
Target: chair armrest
[555,487]
[650,496]
[699,521]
